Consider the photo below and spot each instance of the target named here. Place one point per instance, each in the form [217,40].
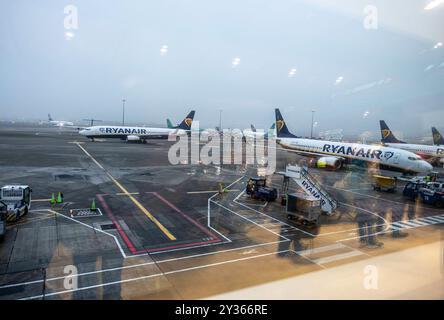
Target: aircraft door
[396,158]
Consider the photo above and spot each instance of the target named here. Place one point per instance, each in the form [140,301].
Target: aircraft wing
[69,127]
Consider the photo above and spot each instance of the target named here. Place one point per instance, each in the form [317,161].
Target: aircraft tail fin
[49,117]
[281,127]
[271,132]
[387,135]
[169,124]
[253,129]
[437,137]
[186,123]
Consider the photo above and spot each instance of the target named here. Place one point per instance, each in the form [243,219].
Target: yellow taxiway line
[137,203]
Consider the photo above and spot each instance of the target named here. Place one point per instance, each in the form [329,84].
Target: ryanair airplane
[334,155]
[434,153]
[59,123]
[138,134]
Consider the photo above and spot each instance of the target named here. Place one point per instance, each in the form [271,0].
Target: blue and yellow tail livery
[437,137]
[187,122]
[281,127]
[387,135]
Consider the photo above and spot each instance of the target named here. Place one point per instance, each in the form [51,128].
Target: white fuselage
[421,149]
[386,156]
[260,134]
[125,132]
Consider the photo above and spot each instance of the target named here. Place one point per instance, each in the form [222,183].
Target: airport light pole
[123,112]
[312,123]
[220,120]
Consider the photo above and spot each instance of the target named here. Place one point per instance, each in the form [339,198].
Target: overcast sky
[342,69]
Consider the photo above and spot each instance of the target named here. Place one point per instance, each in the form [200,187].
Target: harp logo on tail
[188,121]
[385,133]
[280,124]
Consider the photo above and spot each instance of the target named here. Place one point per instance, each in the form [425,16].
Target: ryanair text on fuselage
[368,153]
[118,130]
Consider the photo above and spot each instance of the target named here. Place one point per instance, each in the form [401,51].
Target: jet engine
[132,138]
[332,163]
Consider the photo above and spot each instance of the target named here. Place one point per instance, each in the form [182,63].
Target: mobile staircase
[310,186]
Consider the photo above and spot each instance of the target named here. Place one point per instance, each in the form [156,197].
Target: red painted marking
[179,246]
[197,224]
[125,238]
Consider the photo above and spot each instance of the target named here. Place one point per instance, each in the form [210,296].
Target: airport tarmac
[163,231]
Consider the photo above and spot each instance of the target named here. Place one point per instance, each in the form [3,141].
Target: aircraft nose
[426,167]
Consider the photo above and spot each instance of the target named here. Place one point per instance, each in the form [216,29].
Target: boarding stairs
[312,187]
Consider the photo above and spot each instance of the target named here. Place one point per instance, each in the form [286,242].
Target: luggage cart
[383,183]
[304,209]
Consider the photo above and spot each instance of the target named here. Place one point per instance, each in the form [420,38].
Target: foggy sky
[393,72]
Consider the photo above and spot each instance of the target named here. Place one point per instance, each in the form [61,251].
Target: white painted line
[152,275]
[88,226]
[147,263]
[256,204]
[351,248]
[86,216]
[337,257]
[429,221]
[382,199]
[402,225]
[186,248]
[438,219]
[125,194]
[342,231]
[335,246]
[411,223]
[91,157]
[358,189]
[239,195]
[274,224]
[209,210]
[257,224]
[365,210]
[210,191]
[421,223]
[272,218]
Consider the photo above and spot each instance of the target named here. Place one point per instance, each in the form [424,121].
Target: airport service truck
[257,189]
[430,193]
[17,200]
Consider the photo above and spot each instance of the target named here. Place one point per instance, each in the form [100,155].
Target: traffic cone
[93,205]
[59,198]
[53,200]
